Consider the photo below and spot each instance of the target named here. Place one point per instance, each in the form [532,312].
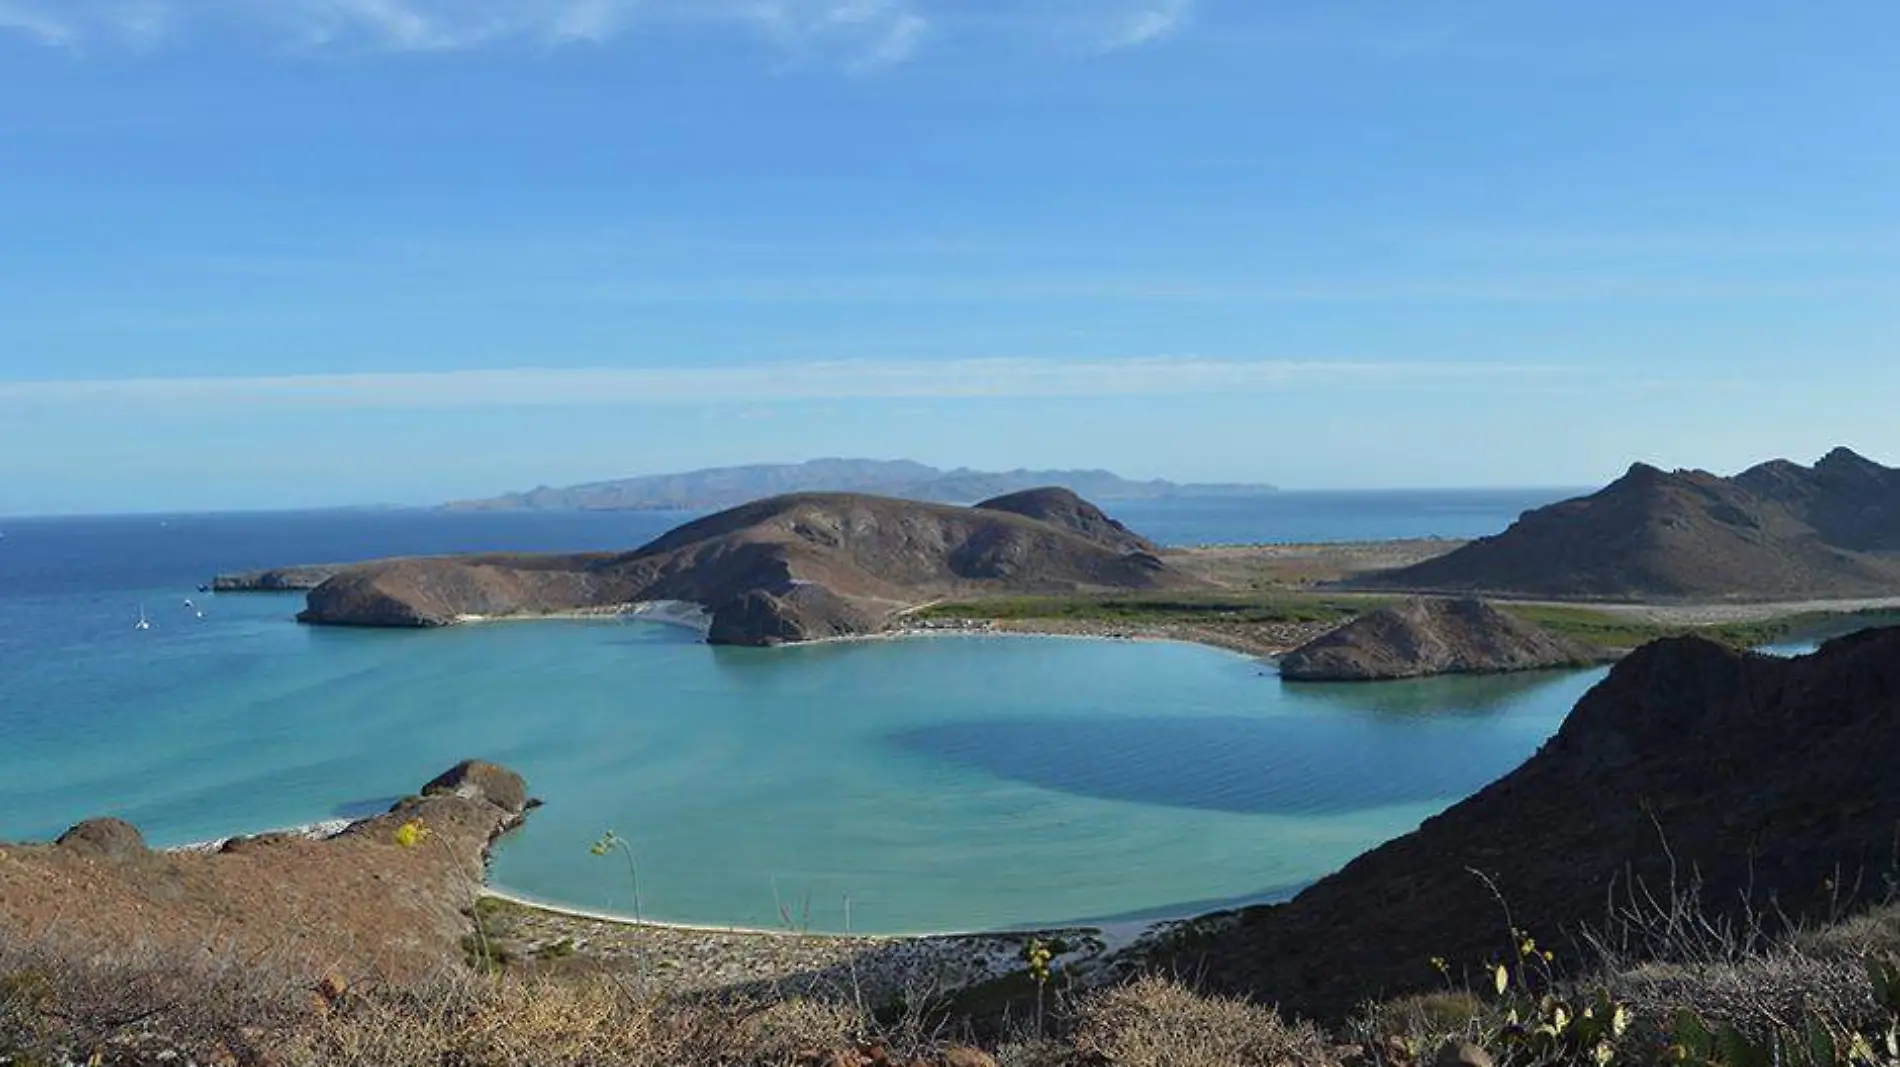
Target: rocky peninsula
[787,569]
[388,896]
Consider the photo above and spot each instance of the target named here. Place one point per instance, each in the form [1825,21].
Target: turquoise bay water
[943,783]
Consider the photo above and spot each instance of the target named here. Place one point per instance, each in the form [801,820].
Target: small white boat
[143,623]
[189,604]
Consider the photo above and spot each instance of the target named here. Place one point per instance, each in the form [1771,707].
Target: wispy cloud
[773,382]
[856,35]
[1146,24]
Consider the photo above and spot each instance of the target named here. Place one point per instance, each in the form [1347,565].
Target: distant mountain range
[1776,531]
[724,487]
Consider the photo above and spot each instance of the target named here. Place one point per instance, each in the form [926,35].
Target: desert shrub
[58,1001]
[1156,1023]
[1404,1030]
[558,1022]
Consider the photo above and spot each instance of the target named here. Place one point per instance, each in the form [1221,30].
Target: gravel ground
[678,960]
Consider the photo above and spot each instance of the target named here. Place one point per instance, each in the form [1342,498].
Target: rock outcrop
[1426,636]
[1778,531]
[277,579]
[1767,781]
[792,568]
[480,780]
[106,838]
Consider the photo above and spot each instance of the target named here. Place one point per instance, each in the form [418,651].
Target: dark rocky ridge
[1772,779]
[1426,636]
[1776,531]
[791,568]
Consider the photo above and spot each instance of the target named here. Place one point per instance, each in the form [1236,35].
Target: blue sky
[330,251]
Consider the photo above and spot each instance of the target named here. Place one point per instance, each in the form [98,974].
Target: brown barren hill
[790,568]
[1776,531]
[1426,636]
[1770,780]
[1062,508]
[370,902]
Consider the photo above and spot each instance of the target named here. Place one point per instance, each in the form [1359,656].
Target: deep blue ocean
[938,784]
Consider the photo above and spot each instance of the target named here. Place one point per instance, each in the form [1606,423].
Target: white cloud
[770,382]
[859,35]
[1147,24]
[871,33]
[42,25]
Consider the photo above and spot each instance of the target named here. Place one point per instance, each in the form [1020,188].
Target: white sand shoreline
[322,830]
[1116,934]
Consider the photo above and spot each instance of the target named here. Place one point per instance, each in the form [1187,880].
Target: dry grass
[1156,1023]
[153,1005]
[216,1003]
[219,1008]
[565,1023]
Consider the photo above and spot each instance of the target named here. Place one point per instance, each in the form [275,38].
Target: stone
[481,780]
[106,838]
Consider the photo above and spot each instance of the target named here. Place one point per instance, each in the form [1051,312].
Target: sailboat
[143,623]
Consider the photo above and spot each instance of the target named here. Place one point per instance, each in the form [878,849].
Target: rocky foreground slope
[787,569]
[1427,636]
[370,902]
[1778,531]
[1768,780]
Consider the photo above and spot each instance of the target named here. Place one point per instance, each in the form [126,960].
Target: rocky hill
[724,487]
[1776,531]
[1770,780]
[1426,636]
[791,568]
[1061,507]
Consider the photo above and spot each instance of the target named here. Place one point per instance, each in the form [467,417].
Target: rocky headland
[298,579]
[1426,636]
[1778,531]
[792,568]
[1765,784]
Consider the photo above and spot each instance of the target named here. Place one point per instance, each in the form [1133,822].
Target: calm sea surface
[936,784]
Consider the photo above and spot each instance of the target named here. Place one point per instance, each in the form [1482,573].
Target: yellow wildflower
[412,833]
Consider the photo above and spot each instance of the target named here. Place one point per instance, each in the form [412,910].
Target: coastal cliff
[1427,636]
[788,569]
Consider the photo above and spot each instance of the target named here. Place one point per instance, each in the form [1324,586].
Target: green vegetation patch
[1163,608]
[1610,630]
